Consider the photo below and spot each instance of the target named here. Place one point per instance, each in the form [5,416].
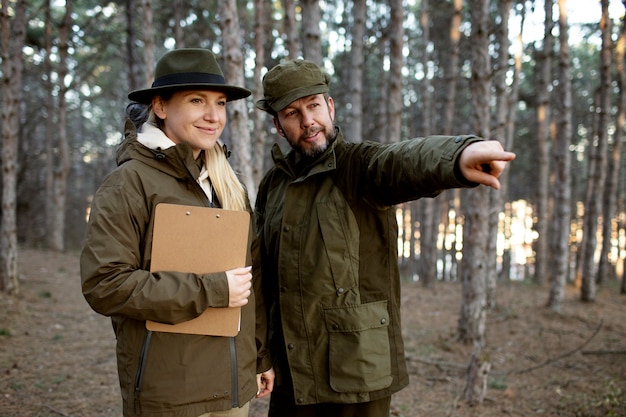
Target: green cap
[290,81]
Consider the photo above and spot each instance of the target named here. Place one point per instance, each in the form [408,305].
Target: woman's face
[197,117]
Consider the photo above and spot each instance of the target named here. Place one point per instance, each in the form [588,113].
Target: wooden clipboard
[200,240]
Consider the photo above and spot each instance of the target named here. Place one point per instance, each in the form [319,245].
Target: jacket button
[283,289]
[340,291]
[383,320]
[458,139]
[300,400]
[335,327]
[286,228]
[290,346]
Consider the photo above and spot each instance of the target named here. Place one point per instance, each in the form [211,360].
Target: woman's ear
[158,107]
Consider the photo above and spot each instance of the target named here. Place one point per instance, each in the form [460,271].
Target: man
[328,246]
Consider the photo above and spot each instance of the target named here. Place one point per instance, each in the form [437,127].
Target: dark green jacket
[162,374]
[328,247]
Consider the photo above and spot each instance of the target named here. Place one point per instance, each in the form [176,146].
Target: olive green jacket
[162,374]
[328,252]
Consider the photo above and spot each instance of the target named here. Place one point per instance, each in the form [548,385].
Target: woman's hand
[239,286]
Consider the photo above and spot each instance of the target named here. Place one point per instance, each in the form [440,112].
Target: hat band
[188,78]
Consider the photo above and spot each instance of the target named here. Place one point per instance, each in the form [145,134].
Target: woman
[176,157]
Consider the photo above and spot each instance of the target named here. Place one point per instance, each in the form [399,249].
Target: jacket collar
[325,162]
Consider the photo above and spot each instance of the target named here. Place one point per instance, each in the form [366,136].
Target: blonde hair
[228,188]
[225,182]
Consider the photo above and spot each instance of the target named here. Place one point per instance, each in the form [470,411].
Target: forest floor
[57,356]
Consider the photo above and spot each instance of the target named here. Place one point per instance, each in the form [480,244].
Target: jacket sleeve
[114,262]
[411,169]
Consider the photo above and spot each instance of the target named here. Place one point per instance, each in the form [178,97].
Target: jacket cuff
[454,152]
[263,364]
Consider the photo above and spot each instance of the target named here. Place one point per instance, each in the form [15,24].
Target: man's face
[307,124]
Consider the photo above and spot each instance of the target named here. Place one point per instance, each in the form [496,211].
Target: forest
[551,88]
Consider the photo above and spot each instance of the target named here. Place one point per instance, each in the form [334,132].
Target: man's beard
[316,150]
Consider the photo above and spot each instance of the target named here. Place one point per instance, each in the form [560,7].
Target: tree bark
[396,62]
[472,322]
[561,155]
[452,197]
[258,117]
[13,35]
[237,110]
[311,33]
[56,239]
[136,78]
[499,133]
[544,81]
[292,40]
[611,192]
[597,175]
[429,221]
[148,40]
[354,119]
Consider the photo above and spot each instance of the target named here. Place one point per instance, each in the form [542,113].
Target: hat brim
[145,96]
[282,102]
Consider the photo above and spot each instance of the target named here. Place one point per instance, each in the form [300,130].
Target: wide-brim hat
[188,69]
[290,81]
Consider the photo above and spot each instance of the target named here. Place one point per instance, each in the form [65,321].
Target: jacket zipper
[143,359]
[233,371]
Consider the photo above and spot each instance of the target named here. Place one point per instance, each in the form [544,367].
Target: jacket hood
[176,161]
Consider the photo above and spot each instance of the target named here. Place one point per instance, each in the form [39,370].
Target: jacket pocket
[358,347]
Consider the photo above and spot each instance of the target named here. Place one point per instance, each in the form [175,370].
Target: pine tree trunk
[396,62]
[605,270]
[354,119]
[429,221]
[544,81]
[597,175]
[56,238]
[476,230]
[290,28]
[148,40]
[311,33]
[13,34]
[258,117]
[237,110]
[499,133]
[560,230]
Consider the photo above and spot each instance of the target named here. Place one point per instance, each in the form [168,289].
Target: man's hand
[265,382]
[239,286]
[483,162]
